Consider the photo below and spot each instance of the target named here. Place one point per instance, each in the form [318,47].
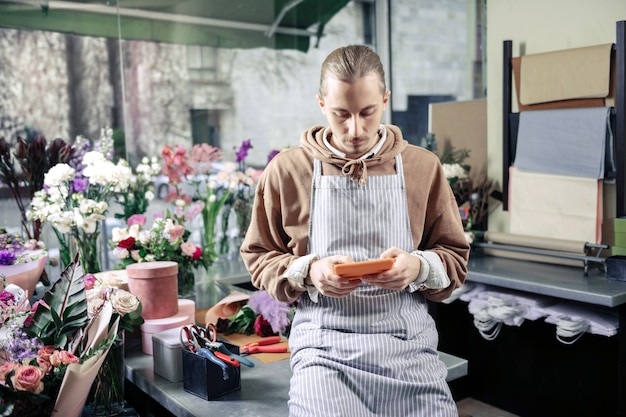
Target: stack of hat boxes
[156,286]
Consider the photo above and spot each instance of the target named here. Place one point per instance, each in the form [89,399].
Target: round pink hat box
[156,286]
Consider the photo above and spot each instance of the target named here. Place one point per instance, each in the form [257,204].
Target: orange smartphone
[355,270]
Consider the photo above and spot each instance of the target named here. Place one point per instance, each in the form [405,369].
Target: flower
[165,240]
[44,347]
[125,305]
[262,315]
[140,192]
[75,198]
[34,156]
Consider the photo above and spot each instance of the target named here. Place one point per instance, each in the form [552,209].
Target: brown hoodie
[278,232]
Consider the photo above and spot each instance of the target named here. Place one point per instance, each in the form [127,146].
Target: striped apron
[372,353]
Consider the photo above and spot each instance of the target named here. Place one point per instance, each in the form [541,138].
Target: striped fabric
[372,353]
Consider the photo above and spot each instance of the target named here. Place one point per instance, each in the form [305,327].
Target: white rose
[124,302]
[118,234]
[93,306]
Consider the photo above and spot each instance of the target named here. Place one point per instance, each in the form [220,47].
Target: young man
[356,191]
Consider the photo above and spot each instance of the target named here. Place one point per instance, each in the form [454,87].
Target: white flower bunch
[67,209]
[454,171]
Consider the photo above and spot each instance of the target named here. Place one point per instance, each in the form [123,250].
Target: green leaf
[64,308]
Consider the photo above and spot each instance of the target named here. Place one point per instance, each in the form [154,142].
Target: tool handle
[243,360]
[267,349]
[206,353]
[267,341]
[227,359]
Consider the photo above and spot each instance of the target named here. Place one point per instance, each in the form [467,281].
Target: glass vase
[186,281]
[106,397]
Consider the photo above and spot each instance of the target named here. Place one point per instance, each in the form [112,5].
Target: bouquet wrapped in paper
[51,353]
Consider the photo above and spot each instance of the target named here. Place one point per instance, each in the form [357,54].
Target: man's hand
[323,277]
[405,270]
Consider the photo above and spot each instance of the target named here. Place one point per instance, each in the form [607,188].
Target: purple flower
[80,185]
[274,311]
[272,154]
[7,257]
[22,346]
[242,153]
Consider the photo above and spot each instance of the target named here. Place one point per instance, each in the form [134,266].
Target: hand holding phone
[355,270]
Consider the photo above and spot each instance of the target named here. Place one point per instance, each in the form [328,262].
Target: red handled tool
[265,345]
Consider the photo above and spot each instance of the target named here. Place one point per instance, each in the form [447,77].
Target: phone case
[358,269]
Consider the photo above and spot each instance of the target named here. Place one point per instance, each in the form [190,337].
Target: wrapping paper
[516,64]
[568,74]
[564,142]
[555,206]
[226,307]
[78,378]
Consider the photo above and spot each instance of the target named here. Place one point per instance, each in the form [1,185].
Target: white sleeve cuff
[435,273]
[299,269]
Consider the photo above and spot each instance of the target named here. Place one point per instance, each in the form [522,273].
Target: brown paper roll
[560,245]
[535,258]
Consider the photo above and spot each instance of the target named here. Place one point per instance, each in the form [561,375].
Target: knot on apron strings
[356,169]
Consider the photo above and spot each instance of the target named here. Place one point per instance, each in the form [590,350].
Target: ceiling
[278,24]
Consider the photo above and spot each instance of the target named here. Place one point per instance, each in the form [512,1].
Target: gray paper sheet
[564,141]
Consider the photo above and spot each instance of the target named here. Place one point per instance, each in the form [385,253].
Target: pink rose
[90,280]
[44,365]
[6,368]
[62,357]
[28,378]
[188,249]
[139,219]
[177,231]
[46,351]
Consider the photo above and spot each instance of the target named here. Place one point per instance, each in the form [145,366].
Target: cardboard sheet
[463,124]
[555,206]
[576,73]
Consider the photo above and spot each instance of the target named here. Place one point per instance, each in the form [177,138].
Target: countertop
[264,389]
[565,282]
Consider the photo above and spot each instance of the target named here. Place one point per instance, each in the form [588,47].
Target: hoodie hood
[312,141]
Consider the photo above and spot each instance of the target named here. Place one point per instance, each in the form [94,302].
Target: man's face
[354,111]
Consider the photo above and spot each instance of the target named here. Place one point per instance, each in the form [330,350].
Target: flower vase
[106,397]
[186,281]
[89,250]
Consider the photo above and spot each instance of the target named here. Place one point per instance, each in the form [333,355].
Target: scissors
[220,350]
[193,337]
[206,337]
[263,346]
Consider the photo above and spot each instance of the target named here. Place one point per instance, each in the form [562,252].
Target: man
[356,191]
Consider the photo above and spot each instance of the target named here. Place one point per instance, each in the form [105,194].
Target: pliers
[264,345]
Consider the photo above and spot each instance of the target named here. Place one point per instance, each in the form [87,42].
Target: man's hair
[349,63]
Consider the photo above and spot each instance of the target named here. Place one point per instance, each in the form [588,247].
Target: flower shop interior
[132,137]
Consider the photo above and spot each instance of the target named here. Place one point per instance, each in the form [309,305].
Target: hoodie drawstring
[355,167]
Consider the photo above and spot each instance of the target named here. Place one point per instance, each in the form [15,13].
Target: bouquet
[52,352]
[24,168]
[74,202]
[107,392]
[262,315]
[140,192]
[230,189]
[165,240]
[21,262]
